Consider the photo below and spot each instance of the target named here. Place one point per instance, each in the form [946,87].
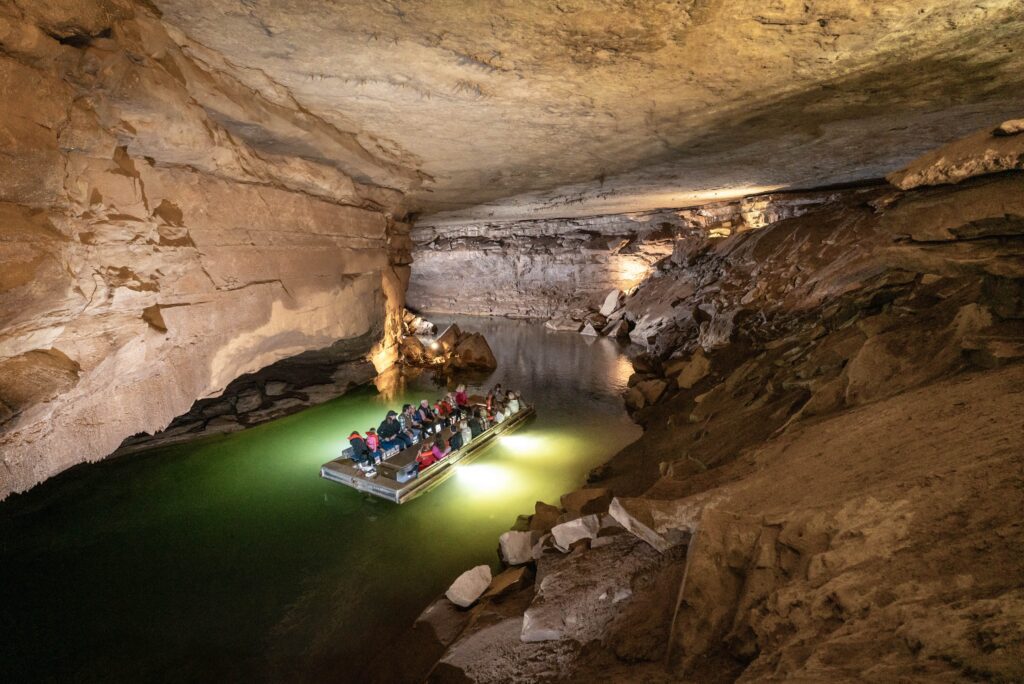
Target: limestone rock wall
[828,483]
[152,249]
[560,267]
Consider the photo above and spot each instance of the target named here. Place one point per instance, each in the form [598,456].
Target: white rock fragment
[516,547]
[611,303]
[662,524]
[469,586]
[572,531]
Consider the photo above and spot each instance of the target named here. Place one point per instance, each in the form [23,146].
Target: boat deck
[389,484]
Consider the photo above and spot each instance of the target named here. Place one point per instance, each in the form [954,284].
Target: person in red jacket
[461,398]
[425,458]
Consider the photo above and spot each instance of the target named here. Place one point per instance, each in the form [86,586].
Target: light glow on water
[233,555]
[484,479]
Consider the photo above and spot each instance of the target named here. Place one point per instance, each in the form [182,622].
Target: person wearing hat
[391,434]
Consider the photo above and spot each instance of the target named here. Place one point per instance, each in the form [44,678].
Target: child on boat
[430,453]
[361,452]
[373,444]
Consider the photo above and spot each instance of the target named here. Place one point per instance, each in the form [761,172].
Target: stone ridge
[152,254]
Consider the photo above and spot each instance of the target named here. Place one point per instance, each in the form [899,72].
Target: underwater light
[483,478]
[520,443]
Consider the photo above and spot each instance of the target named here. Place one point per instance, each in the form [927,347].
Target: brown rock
[587,500]
[472,351]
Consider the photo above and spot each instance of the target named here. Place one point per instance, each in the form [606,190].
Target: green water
[229,559]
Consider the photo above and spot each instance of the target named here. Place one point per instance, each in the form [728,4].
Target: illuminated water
[231,560]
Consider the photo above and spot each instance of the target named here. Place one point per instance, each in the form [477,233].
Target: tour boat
[396,478]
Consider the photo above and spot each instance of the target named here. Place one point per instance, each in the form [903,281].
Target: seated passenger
[455,441]
[360,452]
[373,444]
[426,417]
[476,424]
[453,408]
[499,416]
[461,398]
[513,402]
[443,410]
[425,458]
[441,450]
[391,433]
[465,432]
[409,423]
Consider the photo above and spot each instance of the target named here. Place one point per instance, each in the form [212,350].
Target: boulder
[545,517]
[412,350]
[587,500]
[509,581]
[618,330]
[611,302]
[688,373]
[651,389]
[472,351]
[563,325]
[420,326]
[596,320]
[589,330]
[516,547]
[568,533]
[661,523]
[469,586]
[634,399]
[447,340]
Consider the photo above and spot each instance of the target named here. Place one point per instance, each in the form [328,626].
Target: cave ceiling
[530,108]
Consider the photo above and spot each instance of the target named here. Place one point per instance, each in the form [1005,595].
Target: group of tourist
[440,428]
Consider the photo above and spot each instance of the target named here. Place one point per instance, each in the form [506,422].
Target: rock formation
[581,107]
[828,483]
[166,229]
[561,268]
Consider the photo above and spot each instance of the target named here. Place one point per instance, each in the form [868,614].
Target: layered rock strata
[828,484]
[562,267]
[154,247]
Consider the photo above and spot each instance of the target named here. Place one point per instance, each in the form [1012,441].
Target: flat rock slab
[661,523]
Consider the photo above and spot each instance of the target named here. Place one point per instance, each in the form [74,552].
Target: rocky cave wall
[829,481]
[154,248]
[562,267]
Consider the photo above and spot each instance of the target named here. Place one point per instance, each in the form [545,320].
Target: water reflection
[231,559]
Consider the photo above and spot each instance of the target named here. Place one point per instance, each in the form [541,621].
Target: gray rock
[469,586]
[589,330]
[611,302]
[516,547]
[568,533]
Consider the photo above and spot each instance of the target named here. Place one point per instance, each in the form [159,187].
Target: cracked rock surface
[150,255]
[579,107]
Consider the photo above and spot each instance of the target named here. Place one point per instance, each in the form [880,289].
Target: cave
[756,270]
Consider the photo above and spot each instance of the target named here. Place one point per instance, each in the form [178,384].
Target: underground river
[229,559]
